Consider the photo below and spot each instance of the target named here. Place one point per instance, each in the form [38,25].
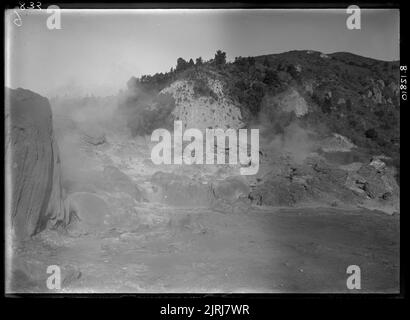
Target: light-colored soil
[192,250]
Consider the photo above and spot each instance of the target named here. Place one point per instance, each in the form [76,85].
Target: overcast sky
[97,51]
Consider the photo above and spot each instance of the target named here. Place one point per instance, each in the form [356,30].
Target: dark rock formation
[314,181]
[33,165]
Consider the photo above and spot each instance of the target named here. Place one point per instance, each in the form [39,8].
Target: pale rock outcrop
[337,143]
[203,112]
[291,100]
[341,101]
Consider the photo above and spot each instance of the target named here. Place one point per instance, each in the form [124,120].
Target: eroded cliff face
[214,109]
[37,199]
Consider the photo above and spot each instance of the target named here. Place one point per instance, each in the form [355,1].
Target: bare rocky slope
[351,95]
[329,123]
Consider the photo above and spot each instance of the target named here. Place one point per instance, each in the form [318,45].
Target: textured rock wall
[33,163]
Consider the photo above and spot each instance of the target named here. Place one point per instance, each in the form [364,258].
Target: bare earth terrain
[283,250]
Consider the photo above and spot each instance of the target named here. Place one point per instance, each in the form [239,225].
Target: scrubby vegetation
[348,94]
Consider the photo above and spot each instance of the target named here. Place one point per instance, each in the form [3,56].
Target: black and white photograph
[202,150]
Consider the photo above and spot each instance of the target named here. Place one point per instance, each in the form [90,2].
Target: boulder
[378,164]
[231,189]
[376,184]
[341,101]
[93,136]
[380,184]
[90,211]
[181,191]
[33,166]
[116,180]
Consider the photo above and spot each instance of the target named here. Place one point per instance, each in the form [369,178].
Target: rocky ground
[137,227]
